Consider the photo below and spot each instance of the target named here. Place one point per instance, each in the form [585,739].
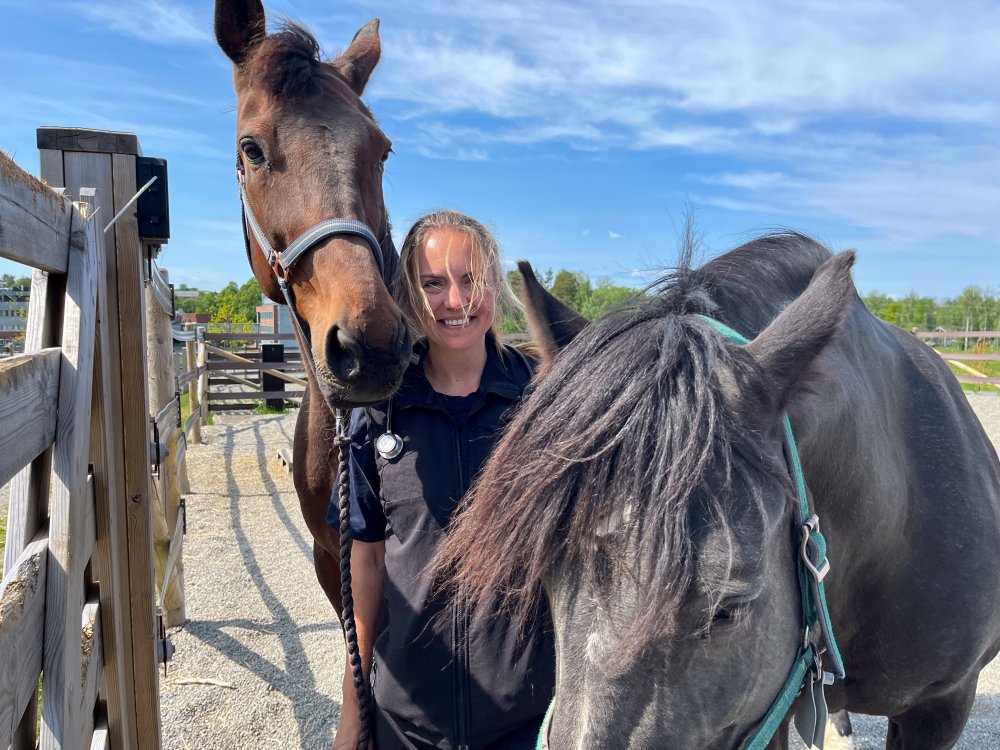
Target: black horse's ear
[552,323]
[788,347]
[357,62]
[239,25]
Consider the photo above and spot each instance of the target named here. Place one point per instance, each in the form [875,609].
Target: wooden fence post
[74,159]
[203,368]
[194,402]
[164,410]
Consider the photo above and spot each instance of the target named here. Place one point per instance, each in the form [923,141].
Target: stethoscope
[389,444]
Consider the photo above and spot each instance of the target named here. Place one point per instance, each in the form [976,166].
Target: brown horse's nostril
[343,355]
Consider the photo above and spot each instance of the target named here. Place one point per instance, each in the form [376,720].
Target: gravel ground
[259,622]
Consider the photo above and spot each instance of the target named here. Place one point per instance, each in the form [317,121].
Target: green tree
[248,298]
[564,286]
[9,281]
[603,297]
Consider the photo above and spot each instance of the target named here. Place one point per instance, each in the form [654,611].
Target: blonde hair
[487,269]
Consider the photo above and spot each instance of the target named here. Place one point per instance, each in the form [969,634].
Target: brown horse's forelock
[286,64]
[632,413]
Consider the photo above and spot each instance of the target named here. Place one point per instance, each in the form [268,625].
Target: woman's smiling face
[460,308]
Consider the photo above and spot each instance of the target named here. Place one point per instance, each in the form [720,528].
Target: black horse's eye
[253,152]
[385,156]
[728,613]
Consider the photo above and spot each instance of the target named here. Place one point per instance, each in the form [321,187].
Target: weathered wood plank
[957,334]
[63,721]
[269,371]
[90,520]
[249,336]
[82,139]
[111,547]
[51,164]
[255,395]
[34,222]
[22,613]
[162,381]
[253,365]
[29,490]
[130,317]
[85,170]
[28,388]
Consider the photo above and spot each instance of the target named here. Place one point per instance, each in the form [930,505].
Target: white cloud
[153,21]
[613,235]
[637,61]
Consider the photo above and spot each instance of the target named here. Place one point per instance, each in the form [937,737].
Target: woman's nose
[455,300]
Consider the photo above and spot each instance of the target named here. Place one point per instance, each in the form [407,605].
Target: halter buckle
[819,573]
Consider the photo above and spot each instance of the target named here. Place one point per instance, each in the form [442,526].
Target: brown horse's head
[312,151]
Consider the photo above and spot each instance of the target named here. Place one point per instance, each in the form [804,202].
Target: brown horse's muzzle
[352,372]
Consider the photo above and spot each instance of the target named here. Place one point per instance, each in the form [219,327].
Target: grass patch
[987,367]
[261,407]
[206,416]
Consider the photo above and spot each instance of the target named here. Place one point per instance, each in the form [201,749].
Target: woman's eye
[253,152]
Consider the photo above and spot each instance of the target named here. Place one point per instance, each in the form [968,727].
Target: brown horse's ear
[360,58]
[552,323]
[239,25]
[789,346]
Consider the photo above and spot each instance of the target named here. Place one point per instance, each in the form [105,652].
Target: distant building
[13,318]
[197,318]
[274,318]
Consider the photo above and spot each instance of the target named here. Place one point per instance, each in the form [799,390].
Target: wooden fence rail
[959,359]
[76,598]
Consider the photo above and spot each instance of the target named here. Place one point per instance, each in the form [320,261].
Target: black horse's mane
[632,415]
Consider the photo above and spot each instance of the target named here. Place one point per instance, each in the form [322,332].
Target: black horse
[644,489]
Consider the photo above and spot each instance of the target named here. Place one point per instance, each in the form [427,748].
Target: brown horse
[308,152]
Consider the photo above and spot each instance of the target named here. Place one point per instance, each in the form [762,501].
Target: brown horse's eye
[253,152]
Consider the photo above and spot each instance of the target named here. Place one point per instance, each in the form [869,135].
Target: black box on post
[153,206]
[272,353]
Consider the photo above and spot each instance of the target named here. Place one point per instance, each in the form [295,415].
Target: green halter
[818,640]
[807,669]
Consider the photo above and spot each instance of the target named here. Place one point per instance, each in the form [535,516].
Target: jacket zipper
[461,645]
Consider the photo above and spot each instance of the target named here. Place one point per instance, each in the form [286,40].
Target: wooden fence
[77,595]
[978,353]
[221,377]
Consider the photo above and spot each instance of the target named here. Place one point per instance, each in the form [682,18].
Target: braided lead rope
[343,443]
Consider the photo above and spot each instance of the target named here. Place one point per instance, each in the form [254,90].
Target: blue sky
[580,131]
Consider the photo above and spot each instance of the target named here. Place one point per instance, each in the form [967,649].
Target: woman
[438,682]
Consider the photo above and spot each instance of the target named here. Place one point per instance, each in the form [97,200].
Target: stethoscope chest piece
[389,445]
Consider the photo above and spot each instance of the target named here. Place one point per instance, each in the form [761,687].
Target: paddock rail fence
[976,349]
[89,514]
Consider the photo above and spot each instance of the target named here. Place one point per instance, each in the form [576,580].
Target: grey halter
[281,261]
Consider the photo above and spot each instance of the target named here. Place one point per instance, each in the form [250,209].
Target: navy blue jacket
[440,683]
